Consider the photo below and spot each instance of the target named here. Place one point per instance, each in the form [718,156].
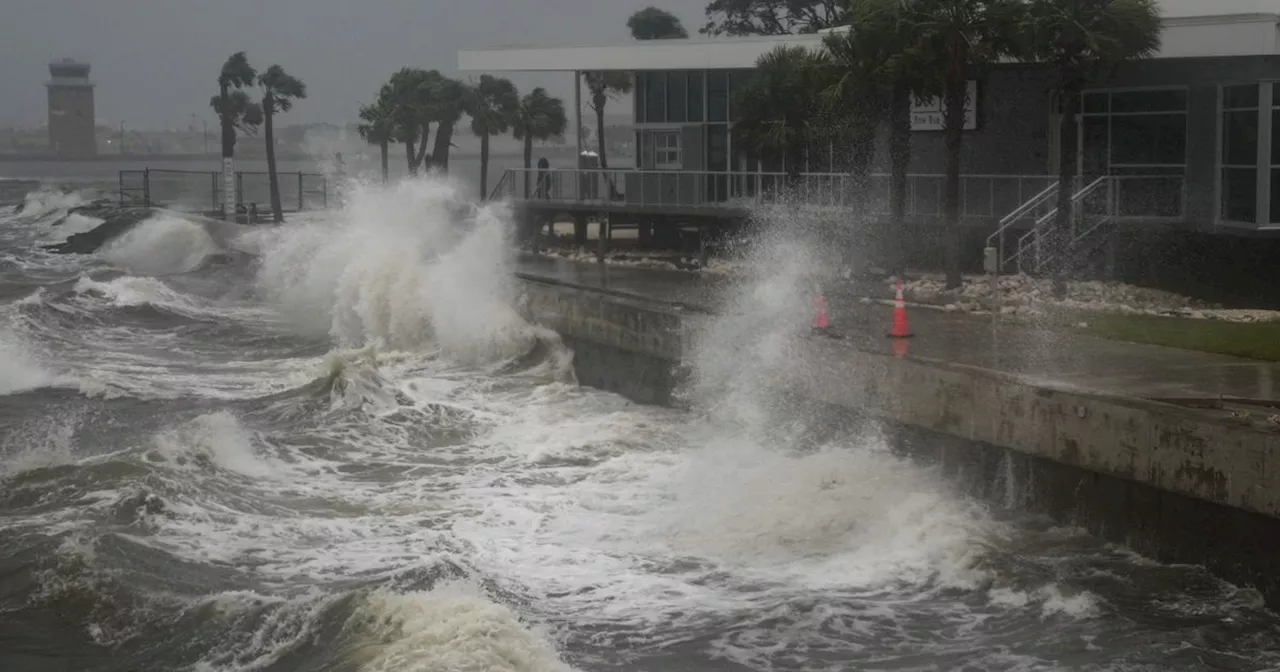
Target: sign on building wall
[930,114]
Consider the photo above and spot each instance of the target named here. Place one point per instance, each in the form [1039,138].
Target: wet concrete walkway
[1050,358]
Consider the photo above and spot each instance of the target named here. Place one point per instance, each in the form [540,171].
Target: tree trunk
[954,97]
[484,166]
[900,161]
[528,160]
[418,161]
[408,155]
[440,151]
[600,144]
[277,214]
[228,154]
[599,103]
[386,173]
[1059,238]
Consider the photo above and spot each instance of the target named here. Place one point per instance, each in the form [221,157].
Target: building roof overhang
[1184,37]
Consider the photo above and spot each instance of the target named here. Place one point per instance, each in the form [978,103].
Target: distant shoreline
[282,157]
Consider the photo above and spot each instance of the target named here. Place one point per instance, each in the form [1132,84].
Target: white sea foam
[162,245]
[73,224]
[451,627]
[216,439]
[39,203]
[401,266]
[20,370]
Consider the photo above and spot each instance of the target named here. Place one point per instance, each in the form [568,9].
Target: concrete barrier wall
[1174,483]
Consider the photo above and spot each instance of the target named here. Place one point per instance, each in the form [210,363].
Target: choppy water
[335,446]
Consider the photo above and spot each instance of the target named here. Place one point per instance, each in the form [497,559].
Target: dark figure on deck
[253,213]
[543,189]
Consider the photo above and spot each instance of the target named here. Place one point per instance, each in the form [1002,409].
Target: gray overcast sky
[155,60]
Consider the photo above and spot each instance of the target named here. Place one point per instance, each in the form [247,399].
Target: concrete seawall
[1174,483]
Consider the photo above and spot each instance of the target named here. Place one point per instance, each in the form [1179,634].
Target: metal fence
[201,190]
[981,196]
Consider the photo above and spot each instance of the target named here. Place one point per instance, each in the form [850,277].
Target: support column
[579,229]
[604,232]
[1264,161]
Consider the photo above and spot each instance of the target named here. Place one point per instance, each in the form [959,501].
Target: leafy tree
[279,90]
[540,117]
[492,104]
[956,38]
[772,17]
[652,23]
[779,106]
[603,86]
[1084,40]
[235,112]
[377,126]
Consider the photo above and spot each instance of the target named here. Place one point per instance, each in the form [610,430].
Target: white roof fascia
[1183,37]
[714,54]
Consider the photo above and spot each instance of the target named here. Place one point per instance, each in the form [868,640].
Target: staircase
[1093,217]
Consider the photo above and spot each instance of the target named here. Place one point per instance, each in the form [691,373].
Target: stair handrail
[496,193]
[1029,240]
[996,239]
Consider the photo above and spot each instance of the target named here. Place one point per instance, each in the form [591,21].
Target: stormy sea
[335,444]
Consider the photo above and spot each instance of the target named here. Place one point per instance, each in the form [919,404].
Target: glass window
[1240,194]
[655,93]
[666,150]
[677,97]
[1096,103]
[1275,135]
[638,98]
[717,95]
[1240,138]
[738,80]
[1238,97]
[718,147]
[818,157]
[1156,100]
[1275,192]
[694,95]
[1149,139]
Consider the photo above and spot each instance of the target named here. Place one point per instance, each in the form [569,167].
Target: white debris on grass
[1026,296]
[647,260]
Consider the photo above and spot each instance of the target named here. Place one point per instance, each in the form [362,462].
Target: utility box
[991,260]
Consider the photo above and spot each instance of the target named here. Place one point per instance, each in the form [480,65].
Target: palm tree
[234,112]
[540,117]
[377,126]
[604,85]
[279,90]
[449,103]
[955,37]
[652,23]
[492,105]
[881,69]
[778,108]
[1084,40]
[409,95]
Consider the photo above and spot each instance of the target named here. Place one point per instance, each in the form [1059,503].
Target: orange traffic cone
[900,329]
[820,319]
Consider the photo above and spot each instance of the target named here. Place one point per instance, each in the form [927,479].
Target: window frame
[674,154]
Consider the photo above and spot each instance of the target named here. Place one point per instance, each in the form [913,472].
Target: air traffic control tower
[71,119]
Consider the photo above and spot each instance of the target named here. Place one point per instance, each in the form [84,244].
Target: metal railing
[982,196]
[201,190]
[1096,208]
[1107,200]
